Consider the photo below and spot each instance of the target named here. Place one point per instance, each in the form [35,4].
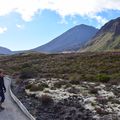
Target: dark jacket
[2,85]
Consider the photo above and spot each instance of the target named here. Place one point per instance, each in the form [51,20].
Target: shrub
[53,88]
[89,77]
[75,82]
[35,88]
[26,65]
[28,73]
[39,87]
[103,78]
[73,90]
[68,85]
[74,77]
[46,99]
[46,91]
[28,86]
[59,84]
[44,85]
[93,91]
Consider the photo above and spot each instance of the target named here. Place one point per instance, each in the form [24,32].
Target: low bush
[46,99]
[74,77]
[93,91]
[59,84]
[73,90]
[28,86]
[75,82]
[36,88]
[103,78]
[26,65]
[68,85]
[28,73]
[44,85]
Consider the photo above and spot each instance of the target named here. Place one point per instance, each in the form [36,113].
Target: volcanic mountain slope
[4,50]
[71,40]
[106,39]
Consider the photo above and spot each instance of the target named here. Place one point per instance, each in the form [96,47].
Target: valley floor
[76,86]
[64,100]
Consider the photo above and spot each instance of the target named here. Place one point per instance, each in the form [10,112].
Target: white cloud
[99,19]
[90,8]
[3,30]
[20,26]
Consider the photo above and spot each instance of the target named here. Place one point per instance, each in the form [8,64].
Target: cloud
[99,19]
[90,8]
[3,30]
[20,26]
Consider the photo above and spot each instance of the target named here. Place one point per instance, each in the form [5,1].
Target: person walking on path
[2,90]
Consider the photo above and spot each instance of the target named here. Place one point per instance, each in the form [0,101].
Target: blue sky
[26,24]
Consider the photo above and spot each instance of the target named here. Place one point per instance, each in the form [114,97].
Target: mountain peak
[83,26]
[70,40]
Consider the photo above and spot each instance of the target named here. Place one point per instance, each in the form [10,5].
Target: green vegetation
[103,78]
[74,67]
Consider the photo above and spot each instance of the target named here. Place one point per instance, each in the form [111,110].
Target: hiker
[2,89]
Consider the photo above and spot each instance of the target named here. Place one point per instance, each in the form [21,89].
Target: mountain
[71,40]
[4,50]
[106,39]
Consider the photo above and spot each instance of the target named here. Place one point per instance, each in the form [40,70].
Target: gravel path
[12,111]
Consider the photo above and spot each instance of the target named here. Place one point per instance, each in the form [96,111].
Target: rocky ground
[57,99]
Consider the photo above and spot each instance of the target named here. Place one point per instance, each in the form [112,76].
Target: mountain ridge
[107,38]
[4,50]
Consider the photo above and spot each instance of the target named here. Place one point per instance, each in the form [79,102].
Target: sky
[26,24]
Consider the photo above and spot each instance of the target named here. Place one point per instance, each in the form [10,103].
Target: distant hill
[71,40]
[4,50]
[107,38]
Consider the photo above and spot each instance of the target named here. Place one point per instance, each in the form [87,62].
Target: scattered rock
[84,101]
